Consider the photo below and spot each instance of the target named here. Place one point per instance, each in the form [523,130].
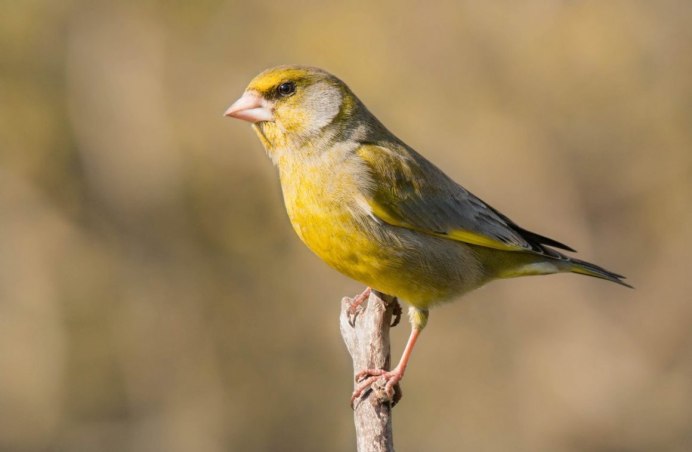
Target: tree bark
[368,344]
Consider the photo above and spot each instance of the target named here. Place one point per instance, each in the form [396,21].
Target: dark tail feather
[532,237]
[543,240]
[589,269]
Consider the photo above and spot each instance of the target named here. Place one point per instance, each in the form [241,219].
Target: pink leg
[369,376]
[354,309]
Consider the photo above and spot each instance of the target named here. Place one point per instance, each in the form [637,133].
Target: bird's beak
[251,107]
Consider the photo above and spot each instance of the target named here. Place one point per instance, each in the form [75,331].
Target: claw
[356,307]
[396,313]
[375,379]
[366,379]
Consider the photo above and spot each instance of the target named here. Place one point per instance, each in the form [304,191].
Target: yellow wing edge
[459,235]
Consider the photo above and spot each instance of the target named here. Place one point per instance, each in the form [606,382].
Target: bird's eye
[286,89]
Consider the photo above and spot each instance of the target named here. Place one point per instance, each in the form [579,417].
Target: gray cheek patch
[323,102]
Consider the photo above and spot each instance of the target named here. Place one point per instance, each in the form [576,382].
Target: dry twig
[368,344]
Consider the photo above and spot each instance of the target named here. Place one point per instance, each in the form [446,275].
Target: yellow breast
[325,211]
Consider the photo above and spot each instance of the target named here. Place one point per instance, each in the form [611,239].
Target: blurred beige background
[153,296]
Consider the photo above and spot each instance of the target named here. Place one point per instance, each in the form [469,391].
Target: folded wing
[408,191]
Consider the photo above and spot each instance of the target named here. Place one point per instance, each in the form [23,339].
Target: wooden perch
[368,344]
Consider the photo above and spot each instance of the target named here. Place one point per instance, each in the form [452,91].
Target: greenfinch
[377,211]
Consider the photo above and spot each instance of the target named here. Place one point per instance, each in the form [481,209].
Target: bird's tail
[587,268]
[510,264]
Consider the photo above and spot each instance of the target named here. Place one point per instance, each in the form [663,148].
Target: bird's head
[289,105]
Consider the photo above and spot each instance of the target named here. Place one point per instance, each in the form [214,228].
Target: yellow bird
[379,212]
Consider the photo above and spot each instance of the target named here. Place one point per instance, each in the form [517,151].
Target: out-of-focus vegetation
[154,297]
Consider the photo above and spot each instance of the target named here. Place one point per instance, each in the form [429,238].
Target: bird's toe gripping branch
[356,307]
[370,377]
[385,385]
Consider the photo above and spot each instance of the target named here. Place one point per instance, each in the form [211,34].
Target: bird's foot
[385,384]
[355,306]
[396,313]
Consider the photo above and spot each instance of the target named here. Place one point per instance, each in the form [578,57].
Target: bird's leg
[355,306]
[367,377]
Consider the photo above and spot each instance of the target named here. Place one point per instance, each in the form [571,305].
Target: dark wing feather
[409,191]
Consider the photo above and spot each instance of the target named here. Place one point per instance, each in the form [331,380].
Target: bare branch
[368,344]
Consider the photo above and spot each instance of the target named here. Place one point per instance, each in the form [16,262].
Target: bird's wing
[408,191]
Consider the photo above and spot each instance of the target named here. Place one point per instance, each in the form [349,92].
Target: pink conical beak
[251,107]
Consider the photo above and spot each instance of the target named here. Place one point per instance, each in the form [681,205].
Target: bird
[379,212]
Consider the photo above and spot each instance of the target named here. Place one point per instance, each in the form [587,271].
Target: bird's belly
[340,243]
[420,269]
